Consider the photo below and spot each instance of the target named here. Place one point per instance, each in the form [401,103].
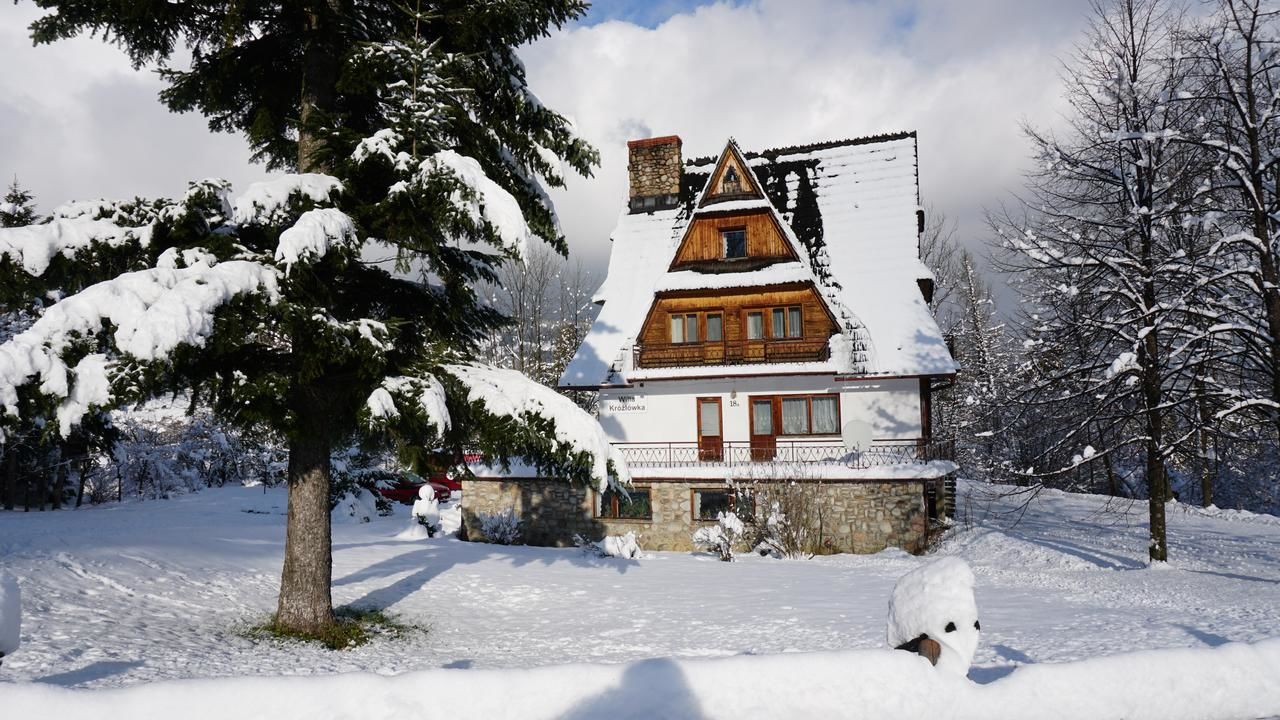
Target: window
[794,328]
[795,416]
[735,243]
[799,414]
[709,503]
[826,414]
[709,417]
[635,505]
[762,417]
[731,182]
[778,323]
[715,327]
[755,325]
[684,328]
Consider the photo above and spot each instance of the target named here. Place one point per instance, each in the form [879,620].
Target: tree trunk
[306,603]
[59,483]
[84,474]
[11,477]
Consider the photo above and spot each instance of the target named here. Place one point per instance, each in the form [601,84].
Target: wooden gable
[732,179]
[703,245]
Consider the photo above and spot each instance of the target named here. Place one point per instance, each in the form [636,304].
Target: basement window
[709,503]
[735,243]
[635,505]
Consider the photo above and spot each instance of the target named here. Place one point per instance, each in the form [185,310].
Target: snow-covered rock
[936,600]
[10,613]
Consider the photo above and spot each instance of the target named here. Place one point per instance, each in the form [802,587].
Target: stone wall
[857,517]
[653,167]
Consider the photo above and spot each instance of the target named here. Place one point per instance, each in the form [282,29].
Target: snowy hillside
[128,594]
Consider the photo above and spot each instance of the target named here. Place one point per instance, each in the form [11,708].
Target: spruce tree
[412,134]
[16,207]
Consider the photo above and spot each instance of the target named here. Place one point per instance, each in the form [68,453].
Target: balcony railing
[786,452]
[730,352]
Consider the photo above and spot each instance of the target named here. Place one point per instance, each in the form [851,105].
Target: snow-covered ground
[125,594]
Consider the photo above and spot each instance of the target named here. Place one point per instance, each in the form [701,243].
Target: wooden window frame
[776,407]
[746,325]
[706,333]
[719,408]
[614,505]
[733,504]
[766,323]
[724,243]
[684,324]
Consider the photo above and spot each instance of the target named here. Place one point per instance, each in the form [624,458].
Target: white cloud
[77,122]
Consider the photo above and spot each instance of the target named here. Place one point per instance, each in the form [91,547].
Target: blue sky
[645,13]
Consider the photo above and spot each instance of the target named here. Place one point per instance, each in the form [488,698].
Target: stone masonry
[857,517]
[654,168]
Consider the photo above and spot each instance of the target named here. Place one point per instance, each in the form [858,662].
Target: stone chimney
[654,167]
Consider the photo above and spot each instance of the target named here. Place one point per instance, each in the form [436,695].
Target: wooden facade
[698,313]
[703,241]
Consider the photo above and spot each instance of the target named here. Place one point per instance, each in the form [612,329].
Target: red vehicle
[406,487]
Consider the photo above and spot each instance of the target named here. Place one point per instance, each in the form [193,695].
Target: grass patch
[354,627]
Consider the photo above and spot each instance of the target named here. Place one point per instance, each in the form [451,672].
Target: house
[764,322]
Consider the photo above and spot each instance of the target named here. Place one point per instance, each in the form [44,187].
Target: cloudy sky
[77,122]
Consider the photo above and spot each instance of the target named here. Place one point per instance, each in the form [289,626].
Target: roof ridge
[773,153]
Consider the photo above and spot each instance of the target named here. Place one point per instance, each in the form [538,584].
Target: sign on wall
[623,404]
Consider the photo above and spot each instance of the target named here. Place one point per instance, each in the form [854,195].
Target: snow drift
[1230,682]
[10,614]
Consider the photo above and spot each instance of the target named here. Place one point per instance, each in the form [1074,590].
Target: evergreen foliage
[415,137]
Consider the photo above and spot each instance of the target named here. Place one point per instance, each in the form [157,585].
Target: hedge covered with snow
[1231,682]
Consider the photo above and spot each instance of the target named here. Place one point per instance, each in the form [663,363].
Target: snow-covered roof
[857,237]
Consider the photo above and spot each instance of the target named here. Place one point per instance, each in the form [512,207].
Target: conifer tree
[16,207]
[413,134]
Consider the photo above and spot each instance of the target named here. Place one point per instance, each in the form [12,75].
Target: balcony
[730,352]
[783,453]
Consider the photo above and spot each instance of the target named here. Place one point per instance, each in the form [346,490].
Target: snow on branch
[152,311]
[488,201]
[267,202]
[424,395]
[34,246]
[312,236]
[509,393]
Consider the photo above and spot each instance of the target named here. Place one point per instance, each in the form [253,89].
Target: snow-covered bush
[10,614]
[792,521]
[359,506]
[721,537]
[621,546]
[500,528]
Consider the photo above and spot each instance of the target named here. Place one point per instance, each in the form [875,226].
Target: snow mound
[10,614]
[1000,549]
[1226,683]
[356,507]
[621,546]
[937,600]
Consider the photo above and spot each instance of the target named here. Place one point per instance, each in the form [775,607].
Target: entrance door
[710,437]
[764,433]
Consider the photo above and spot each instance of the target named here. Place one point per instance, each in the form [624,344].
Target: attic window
[735,243]
[731,182]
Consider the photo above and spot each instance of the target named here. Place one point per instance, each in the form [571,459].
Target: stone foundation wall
[856,517]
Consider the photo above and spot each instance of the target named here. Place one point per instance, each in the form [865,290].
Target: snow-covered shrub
[721,537]
[792,520]
[500,528]
[10,614]
[359,505]
[355,469]
[622,546]
[426,510]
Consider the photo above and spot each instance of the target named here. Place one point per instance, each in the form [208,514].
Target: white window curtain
[755,326]
[794,328]
[826,415]
[795,416]
[762,417]
[691,328]
[677,329]
[779,326]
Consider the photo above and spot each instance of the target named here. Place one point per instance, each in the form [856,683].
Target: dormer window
[735,242]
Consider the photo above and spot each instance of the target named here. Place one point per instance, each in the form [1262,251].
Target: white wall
[666,411]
